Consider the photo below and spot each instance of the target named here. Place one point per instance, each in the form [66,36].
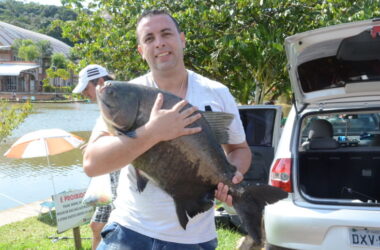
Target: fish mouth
[118,105]
[104,94]
[108,108]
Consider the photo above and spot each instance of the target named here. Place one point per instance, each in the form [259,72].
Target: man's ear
[101,81]
[139,49]
[183,39]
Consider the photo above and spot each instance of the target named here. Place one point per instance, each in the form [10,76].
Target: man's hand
[222,192]
[167,124]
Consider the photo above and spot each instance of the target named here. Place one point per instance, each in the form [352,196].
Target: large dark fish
[189,167]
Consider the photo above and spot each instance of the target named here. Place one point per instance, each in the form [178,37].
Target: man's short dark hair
[105,78]
[155,12]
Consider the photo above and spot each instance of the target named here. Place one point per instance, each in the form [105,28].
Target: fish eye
[110,92]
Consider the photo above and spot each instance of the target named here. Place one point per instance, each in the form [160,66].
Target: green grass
[227,238]
[36,232]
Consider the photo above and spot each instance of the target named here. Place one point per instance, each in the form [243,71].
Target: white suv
[328,157]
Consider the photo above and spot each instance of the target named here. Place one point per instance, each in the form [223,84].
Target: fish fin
[131,134]
[203,204]
[250,205]
[141,181]
[181,214]
[219,122]
[187,208]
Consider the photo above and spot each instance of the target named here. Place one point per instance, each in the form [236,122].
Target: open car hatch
[335,65]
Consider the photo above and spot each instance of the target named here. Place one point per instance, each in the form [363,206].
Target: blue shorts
[115,236]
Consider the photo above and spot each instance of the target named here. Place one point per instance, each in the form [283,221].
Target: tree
[56,73]
[58,69]
[45,48]
[59,61]
[238,42]
[11,116]
[28,50]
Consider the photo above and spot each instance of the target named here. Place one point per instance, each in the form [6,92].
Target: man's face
[160,44]
[90,90]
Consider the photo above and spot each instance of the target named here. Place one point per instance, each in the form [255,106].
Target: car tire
[273,247]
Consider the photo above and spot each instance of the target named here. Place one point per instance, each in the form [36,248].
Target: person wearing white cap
[89,77]
[94,74]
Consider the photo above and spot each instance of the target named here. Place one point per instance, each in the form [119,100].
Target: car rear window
[348,129]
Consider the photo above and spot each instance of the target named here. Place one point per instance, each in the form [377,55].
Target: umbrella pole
[52,176]
[47,157]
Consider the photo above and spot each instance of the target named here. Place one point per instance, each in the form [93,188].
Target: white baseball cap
[90,72]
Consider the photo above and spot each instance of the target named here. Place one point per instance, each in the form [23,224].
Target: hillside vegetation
[36,17]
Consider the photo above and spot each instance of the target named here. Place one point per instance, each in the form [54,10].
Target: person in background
[90,77]
[148,220]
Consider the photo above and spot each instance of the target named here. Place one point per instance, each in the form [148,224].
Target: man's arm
[240,156]
[107,153]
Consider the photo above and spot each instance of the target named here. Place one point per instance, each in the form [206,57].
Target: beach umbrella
[42,143]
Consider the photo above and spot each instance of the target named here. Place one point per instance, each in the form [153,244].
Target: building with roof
[20,76]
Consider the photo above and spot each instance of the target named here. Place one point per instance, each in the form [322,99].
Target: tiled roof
[9,33]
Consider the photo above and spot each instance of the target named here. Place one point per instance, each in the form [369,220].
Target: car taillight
[280,174]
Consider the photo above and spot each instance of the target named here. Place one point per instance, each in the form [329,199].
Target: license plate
[362,237]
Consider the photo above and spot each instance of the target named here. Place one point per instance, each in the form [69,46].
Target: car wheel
[272,247]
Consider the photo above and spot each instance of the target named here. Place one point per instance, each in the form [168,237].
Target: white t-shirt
[152,212]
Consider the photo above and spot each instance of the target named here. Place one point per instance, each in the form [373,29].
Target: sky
[45,2]
[52,2]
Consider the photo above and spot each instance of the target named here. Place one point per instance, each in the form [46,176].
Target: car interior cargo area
[339,158]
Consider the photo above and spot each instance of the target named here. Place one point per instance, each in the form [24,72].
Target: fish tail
[250,205]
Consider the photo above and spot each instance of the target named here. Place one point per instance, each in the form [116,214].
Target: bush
[64,89]
[48,88]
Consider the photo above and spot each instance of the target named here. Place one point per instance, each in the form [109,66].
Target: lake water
[28,180]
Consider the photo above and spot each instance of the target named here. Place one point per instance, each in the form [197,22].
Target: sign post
[71,213]
[77,240]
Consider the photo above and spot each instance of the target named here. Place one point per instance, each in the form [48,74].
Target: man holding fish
[146,219]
